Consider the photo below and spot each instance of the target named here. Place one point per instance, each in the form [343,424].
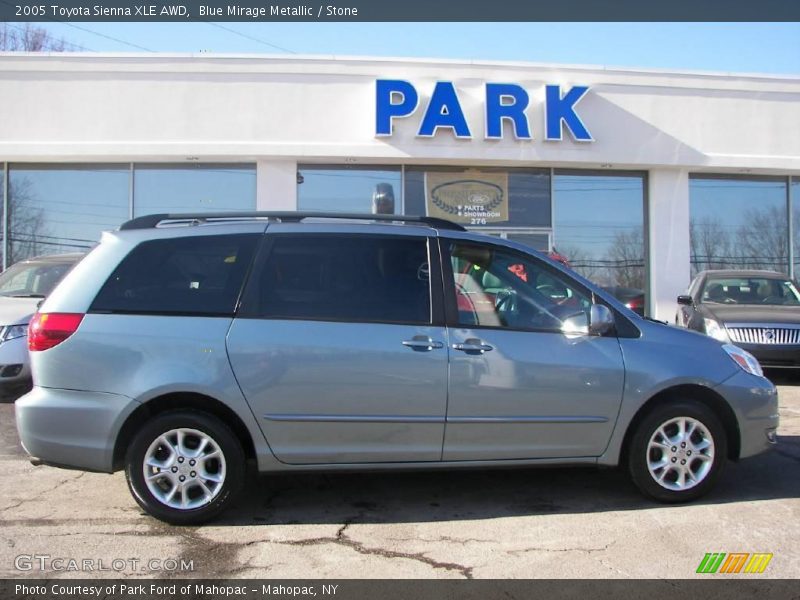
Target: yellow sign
[469,197]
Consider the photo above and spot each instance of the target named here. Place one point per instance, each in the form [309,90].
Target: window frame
[62,244]
[140,169]
[248,306]
[786,180]
[622,327]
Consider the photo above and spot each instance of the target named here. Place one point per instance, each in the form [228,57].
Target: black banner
[712,588]
[399,10]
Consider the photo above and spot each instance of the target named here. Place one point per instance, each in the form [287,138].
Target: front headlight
[744,359]
[14,331]
[715,330]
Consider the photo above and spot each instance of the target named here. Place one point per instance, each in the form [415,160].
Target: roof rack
[151,221]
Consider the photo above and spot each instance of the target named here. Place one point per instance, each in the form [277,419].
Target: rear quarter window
[197,275]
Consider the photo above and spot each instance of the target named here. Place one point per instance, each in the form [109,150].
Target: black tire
[640,455]
[232,468]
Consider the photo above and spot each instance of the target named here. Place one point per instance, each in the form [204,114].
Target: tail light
[50,329]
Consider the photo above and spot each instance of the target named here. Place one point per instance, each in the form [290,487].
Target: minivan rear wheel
[677,452]
[184,467]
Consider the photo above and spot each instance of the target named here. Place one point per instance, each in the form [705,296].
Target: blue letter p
[385,109]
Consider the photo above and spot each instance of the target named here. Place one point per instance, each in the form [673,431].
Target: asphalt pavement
[520,523]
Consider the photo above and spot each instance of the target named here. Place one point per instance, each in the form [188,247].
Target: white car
[22,288]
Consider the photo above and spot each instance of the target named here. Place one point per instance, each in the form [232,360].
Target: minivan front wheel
[184,467]
[678,451]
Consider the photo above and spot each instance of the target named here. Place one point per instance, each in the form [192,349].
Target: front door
[519,386]
[336,351]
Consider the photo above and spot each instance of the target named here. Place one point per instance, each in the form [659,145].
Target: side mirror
[685,300]
[601,319]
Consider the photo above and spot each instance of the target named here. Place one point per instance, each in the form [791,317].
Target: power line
[249,37]
[66,43]
[103,35]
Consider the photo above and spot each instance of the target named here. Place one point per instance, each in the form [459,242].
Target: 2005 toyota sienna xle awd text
[182,346]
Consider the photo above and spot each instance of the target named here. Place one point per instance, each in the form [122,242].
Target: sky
[772,48]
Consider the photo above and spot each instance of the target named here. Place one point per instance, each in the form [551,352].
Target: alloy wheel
[184,468]
[680,453]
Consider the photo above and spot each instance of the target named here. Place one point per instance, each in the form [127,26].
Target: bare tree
[579,260]
[759,242]
[26,37]
[762,239]
[712,247]
[26,224]
[625,262]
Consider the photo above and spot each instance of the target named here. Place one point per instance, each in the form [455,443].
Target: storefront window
[63,208]
[337,188]
[2,214]
[795,191]
[480,197]
[738,223]
[165,188]
[598,229]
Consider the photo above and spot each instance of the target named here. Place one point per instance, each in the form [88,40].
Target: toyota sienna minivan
[184,346]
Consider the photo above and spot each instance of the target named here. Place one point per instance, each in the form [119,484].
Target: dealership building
[638,178]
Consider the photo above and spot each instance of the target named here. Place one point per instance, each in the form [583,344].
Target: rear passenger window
[338,278]
[200,275]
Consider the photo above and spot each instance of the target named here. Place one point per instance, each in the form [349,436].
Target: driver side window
[495,287]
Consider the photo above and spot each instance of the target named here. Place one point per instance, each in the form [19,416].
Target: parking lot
[477,524]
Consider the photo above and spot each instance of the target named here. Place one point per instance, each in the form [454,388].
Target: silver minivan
[185,345]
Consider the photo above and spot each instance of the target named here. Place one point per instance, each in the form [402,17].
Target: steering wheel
[502,300]
[553,293]
[772,300]
[547,289]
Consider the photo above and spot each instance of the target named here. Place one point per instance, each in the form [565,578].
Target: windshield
[32,280]
[751,290]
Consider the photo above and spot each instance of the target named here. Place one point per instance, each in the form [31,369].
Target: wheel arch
[178,401]
[699,393]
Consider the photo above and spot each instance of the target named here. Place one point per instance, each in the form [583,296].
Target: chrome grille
[765,335]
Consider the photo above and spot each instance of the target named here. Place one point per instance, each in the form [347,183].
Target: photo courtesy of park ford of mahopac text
[399,300]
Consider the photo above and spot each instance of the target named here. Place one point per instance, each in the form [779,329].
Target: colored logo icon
[734,562]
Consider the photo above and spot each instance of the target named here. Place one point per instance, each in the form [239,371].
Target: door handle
[422,343]
[473,346]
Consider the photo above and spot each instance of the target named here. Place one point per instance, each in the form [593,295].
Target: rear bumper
[755,402]
[71,428]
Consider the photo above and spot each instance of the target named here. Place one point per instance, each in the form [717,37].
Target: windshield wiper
[25,296]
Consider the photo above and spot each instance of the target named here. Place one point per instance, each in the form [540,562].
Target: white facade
[281,112]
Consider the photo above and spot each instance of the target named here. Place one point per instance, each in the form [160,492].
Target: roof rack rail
[151,221]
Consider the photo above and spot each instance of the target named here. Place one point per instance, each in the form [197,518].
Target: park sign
[396,99]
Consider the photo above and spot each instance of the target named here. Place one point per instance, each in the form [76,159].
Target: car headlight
[744,359]
[715,330]
[14,331]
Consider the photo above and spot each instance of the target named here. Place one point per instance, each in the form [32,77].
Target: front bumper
[72,429]
[774,356]
[755,402]
[15,363]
